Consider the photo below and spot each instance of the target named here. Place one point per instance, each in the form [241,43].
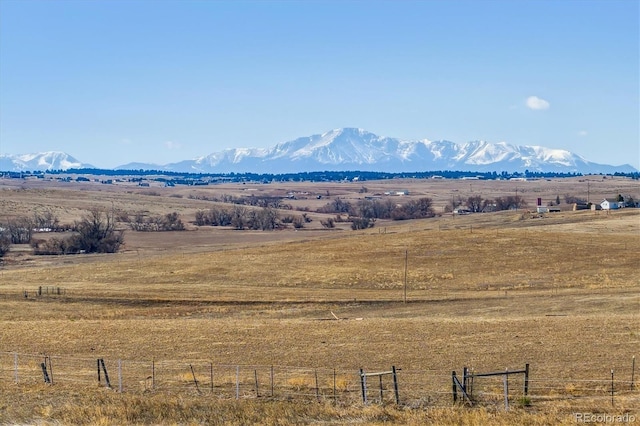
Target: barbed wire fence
[406,387]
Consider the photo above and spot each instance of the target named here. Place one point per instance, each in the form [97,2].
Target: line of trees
[168,222]
[362,214]
[20,230]
[254,201]
[381,209]
[240,217]
[477,204]
[95,233]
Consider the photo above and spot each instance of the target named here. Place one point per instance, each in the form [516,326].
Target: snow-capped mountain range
[51,160]
[352,149]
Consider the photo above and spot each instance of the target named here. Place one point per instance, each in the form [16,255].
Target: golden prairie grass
[488,291]
[107,408]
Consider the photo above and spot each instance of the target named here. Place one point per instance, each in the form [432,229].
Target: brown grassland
[559,291]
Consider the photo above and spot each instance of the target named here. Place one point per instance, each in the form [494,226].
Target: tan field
[217,326]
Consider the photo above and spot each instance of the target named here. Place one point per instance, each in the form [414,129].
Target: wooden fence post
[272,381]
[104,369]
[193,374]
[255,376]
[98,362]
[526,379]
[363,386]
[15,366]
[44,372]
[454,388]
[612,388]
[211,375]
[317,387]
[395,384]
[465,378]
[153,373]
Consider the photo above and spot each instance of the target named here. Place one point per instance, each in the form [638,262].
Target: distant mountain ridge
[353,149]
[50,160]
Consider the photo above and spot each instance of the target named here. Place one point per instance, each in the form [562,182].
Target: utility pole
[406,259]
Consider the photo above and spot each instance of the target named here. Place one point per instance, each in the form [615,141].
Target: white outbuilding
[610,204]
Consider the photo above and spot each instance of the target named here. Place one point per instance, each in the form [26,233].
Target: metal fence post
[237,382]
[120,376]
[505,380]
[15,366]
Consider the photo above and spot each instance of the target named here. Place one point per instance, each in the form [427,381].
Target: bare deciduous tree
[20,230]
[5,243]
[239,217]
[97,233]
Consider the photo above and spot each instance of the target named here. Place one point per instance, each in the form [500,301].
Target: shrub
[329,223]
[168,222]
[414,209]
[298,222]
[336,206]
[361,223]
[53,246]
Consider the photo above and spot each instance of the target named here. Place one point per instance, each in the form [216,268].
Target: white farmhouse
[610,204]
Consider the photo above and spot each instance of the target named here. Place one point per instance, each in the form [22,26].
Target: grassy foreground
[106,408]
[560,293]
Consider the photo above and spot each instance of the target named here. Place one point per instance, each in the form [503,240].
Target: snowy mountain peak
[353,149]
[49,160]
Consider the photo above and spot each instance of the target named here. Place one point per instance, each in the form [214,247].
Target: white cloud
[172,145]
[534,102]
[583,133]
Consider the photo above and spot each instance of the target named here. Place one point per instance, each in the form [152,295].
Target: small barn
[610,204]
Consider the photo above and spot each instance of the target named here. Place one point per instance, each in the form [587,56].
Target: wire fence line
[413,388]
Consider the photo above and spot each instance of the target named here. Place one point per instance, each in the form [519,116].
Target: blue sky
[111,82]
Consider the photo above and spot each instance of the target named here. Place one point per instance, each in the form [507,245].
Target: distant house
[610,204]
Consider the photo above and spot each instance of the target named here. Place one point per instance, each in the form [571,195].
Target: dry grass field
[492,291]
